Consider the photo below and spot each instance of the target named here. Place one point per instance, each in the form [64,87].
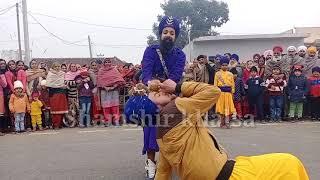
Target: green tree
[201,16]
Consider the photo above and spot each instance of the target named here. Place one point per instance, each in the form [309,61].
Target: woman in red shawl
[57,94]
[109,80]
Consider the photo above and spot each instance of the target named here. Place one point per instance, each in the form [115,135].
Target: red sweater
[314,83]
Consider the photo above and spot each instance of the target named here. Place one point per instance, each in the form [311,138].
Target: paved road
[114,153]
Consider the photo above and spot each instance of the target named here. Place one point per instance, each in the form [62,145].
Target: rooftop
[253,36]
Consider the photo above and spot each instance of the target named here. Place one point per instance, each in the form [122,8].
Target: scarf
[33,74]
[69,76]
[203,74]
[108,77]
[55,79]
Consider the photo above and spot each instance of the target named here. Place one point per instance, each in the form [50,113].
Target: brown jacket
[186,145]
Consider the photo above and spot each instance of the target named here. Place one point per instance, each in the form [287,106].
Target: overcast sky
[246,17]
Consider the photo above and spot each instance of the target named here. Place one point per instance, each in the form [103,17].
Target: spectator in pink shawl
[21,74]
[109,80]
[11,76]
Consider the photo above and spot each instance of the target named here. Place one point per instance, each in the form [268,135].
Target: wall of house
[245,48]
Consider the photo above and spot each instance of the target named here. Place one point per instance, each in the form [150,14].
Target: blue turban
[141,110]
[224,60]
[235,56]
[167,21]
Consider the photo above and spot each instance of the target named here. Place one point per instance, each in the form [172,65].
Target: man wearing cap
[311,61]
[292,58]
[206,70]
[277,60]
[164,61]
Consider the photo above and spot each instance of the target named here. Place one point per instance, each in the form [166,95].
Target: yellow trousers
[277,166]
[36,120]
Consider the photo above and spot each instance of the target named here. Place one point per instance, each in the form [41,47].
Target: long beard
[166,45]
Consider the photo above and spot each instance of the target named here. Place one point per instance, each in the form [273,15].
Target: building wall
[245,48]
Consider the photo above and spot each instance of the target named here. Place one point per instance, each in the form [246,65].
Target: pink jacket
[3,84]
[22,76]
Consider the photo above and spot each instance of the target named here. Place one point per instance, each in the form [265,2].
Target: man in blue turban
[164,61]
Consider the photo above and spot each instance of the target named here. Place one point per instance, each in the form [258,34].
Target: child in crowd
[85,87]
[239,93]
[225,81]
[297,89]
[44,98]
[314,82]
[276,83]
[19,105]
[255,94]
[36,107]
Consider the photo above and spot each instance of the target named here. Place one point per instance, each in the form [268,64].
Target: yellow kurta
[188,148]
[225,104]
[191,150]
[277,166]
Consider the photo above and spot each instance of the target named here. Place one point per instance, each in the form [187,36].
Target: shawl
[34,77]
[310,63]
[109,77]
[33,74]
[203,75]
[93,75]
[69,76]
[55,79]
[270,65]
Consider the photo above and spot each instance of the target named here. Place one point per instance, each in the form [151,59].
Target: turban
[304,48]
[224,60]
[312,49]
[316,69]
[277,49]
[291,48]
[167,21]
[234,56]
[140,109]
[297,68]
[268,52]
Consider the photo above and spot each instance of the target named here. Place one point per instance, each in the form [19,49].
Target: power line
[4,11]
[54,35]
[90,24]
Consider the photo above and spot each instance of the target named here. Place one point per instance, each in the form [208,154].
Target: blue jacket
[152,67]
[255,87]
[297,88]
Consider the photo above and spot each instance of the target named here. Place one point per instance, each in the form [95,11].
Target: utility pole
[19,37]
[90,49]
[26,31]
[190,45]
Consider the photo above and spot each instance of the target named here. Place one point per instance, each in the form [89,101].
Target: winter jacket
[255,86]
[297,88]
[278,82]
[314,85]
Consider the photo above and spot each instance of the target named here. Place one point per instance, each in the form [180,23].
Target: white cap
[43,83]
[304,48]
[17,84]
[291,48]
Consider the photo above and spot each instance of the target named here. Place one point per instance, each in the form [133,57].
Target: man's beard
[302,55]
[166,44]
